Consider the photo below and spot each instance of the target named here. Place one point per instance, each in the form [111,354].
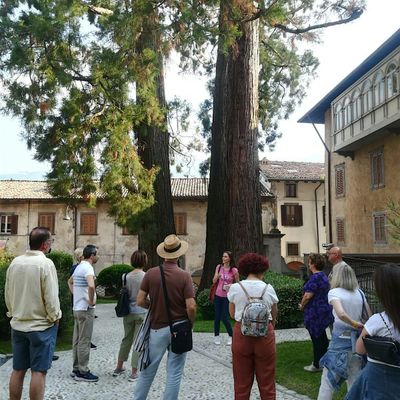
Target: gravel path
[207,374]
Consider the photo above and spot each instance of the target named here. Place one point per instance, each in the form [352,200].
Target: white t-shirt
[81,287]
[254,288]
[376,327]
[351,302]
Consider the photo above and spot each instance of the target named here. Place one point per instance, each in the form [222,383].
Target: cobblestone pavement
[207,374]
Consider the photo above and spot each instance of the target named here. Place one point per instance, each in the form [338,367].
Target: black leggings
[320,346]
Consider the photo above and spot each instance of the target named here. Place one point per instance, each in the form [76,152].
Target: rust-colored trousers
[251,355]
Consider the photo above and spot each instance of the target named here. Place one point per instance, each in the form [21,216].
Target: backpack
[255,317]
[122,307]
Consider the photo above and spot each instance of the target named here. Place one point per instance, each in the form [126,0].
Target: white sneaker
[311,368]
[217,340]
[229,341]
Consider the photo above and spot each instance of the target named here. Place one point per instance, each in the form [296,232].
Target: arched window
[391,80]
[347,111]
[356,104]
[338,117]
[379,89]
[367,97]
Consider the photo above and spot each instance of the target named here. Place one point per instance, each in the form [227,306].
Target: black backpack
[122,307]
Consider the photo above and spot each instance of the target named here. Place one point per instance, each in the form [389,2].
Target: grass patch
[102,300]
[207,326]
[290,360]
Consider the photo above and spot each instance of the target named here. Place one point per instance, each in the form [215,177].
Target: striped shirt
[81,287]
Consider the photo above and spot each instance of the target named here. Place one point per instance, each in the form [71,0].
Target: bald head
[334,255]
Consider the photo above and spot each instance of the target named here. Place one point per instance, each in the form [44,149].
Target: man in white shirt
[31,295]
[82,286]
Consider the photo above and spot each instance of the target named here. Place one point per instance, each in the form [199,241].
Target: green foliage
[393,218]
[5,258]
[63,262]
[205,305]
[111,278]
[4,320]
[289,291]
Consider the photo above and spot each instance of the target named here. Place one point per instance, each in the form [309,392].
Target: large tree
[234,210]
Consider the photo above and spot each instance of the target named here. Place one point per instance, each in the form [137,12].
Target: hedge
[110,278]
[289,292]
[62,261]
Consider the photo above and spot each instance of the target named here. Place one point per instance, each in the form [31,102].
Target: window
[377,176]
[292,215]
[180,223]
[290,189]
[8,224]
[89,224]
[379,228]
[367,97]
[356,105]
[47,221]
[338,117]
[379,89]
[340,237]
[293,249]
[391,80]
[347,111]
[340,180]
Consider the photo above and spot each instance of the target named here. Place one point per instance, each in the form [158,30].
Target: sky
[342,49]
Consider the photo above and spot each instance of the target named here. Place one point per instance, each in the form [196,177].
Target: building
[26,204]
[362,126]
[300,203]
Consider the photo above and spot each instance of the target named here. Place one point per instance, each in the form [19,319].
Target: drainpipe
[328,183]
[28,224]
[75,225]
[316,213]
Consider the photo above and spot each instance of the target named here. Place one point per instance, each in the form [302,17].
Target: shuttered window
[180,220]
[290,189]
[8,224]
[293,249]
[292,215]
[47,220]
[377,176]
[379,228]
[340,233]
[88,224]
[340,180]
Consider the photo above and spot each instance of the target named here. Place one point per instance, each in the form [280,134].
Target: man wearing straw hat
[182,306]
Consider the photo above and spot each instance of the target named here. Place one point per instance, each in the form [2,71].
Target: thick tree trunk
[234,206]
[153,148]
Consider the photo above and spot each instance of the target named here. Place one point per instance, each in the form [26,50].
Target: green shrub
[289,291]
[5,258]
[63,262]
[110,278]
[205,305]
[4,320]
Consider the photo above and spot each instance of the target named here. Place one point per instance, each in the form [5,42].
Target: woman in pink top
[225,274]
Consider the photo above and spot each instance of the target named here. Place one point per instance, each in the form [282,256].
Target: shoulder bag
[122,307]
[383,349]
[213,287]
[364,312]
[181,331]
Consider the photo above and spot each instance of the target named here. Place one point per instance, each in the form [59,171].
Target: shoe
[87,377]
[93,346]
[311,368]
[132,377]
[217,340]
[55,358]
[118,371]
[229,342]
[73,373]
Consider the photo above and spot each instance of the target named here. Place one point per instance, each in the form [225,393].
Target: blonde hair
[78,253]
[343,276]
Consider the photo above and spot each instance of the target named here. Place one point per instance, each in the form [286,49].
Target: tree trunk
[153,149]
[234,206]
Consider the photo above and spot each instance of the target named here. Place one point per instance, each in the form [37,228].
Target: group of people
[31,294]
[338,302]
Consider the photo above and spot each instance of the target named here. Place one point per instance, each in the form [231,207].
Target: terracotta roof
[292,170]
[182,188]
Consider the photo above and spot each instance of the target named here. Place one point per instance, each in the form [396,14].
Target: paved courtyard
[207,374]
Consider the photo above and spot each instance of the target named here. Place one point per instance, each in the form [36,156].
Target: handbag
[122,307]
[213,288]
[364,311]
[383,349]
[181,331]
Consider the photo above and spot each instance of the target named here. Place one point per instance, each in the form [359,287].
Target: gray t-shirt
[133,281]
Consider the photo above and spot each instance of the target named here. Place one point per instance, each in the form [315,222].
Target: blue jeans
[160,340]
[221,305]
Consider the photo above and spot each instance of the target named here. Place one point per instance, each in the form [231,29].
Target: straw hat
[172,247]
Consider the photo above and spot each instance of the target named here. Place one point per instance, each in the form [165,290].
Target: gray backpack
[255,317]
